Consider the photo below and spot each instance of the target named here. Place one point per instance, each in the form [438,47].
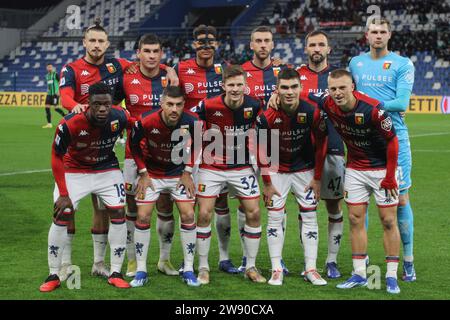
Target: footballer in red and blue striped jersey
[162,132]
[83,163]
[261,82]
[297,148]
[230,122]
[366,130]
[297,127]
[142,94]
[88,148]
[313,78]
[157,153]
[77,76]
[199,82]
[316,82]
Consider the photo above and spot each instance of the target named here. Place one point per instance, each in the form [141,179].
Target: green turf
[26,205]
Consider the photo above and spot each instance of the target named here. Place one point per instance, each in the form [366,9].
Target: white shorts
[107,186]
[241,183]
[297,182]
[359,185]
[332,183]
[165,185]
[130,175]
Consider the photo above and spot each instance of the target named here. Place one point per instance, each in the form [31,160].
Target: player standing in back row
[388,77]
[313,77]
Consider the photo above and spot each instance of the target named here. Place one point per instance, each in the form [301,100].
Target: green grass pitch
[26,206]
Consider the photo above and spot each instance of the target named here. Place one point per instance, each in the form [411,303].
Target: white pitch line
[23,172]
[27,172]
[434,151]
[429,134]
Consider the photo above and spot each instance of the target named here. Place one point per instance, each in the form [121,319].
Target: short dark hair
[49,64]
[173,92]
[99,88]
[149,38]
[315,33]
[95,27]
[233,70]
[377,20]
[261,29]
[287,74]
[204,29]
[338,73]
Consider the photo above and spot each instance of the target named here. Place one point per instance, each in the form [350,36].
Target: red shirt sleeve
[383,123]
[67,94]
[59,149]
[137,133]
[391,165]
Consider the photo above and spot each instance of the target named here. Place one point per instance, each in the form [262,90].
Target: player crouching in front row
[83,163]
[158,173]
[296,123]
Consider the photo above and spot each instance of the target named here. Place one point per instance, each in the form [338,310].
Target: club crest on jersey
[276,71]
[248,113]
[114,125]
[218,68]
[184,129]
[128,186]
[301,117]
[111,68]
[201,187]
[386,124]
[163,82]
[387,65]
[359,118]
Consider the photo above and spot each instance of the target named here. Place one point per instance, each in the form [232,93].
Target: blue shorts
[404,165]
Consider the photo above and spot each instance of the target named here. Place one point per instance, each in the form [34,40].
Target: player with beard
[262,72]
[76,77]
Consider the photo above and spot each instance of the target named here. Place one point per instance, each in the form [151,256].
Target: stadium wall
[53,16]
[10,39]
[417,104]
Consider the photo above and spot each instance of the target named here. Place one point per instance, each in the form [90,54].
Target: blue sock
[406,226]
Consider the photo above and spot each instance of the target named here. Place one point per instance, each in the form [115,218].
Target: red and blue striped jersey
[296,134]
[366,130]
[261,82]
[142,94]
[317,82]
[151,143]
[77,76]
[87,148]
[198,82]
[232,125]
